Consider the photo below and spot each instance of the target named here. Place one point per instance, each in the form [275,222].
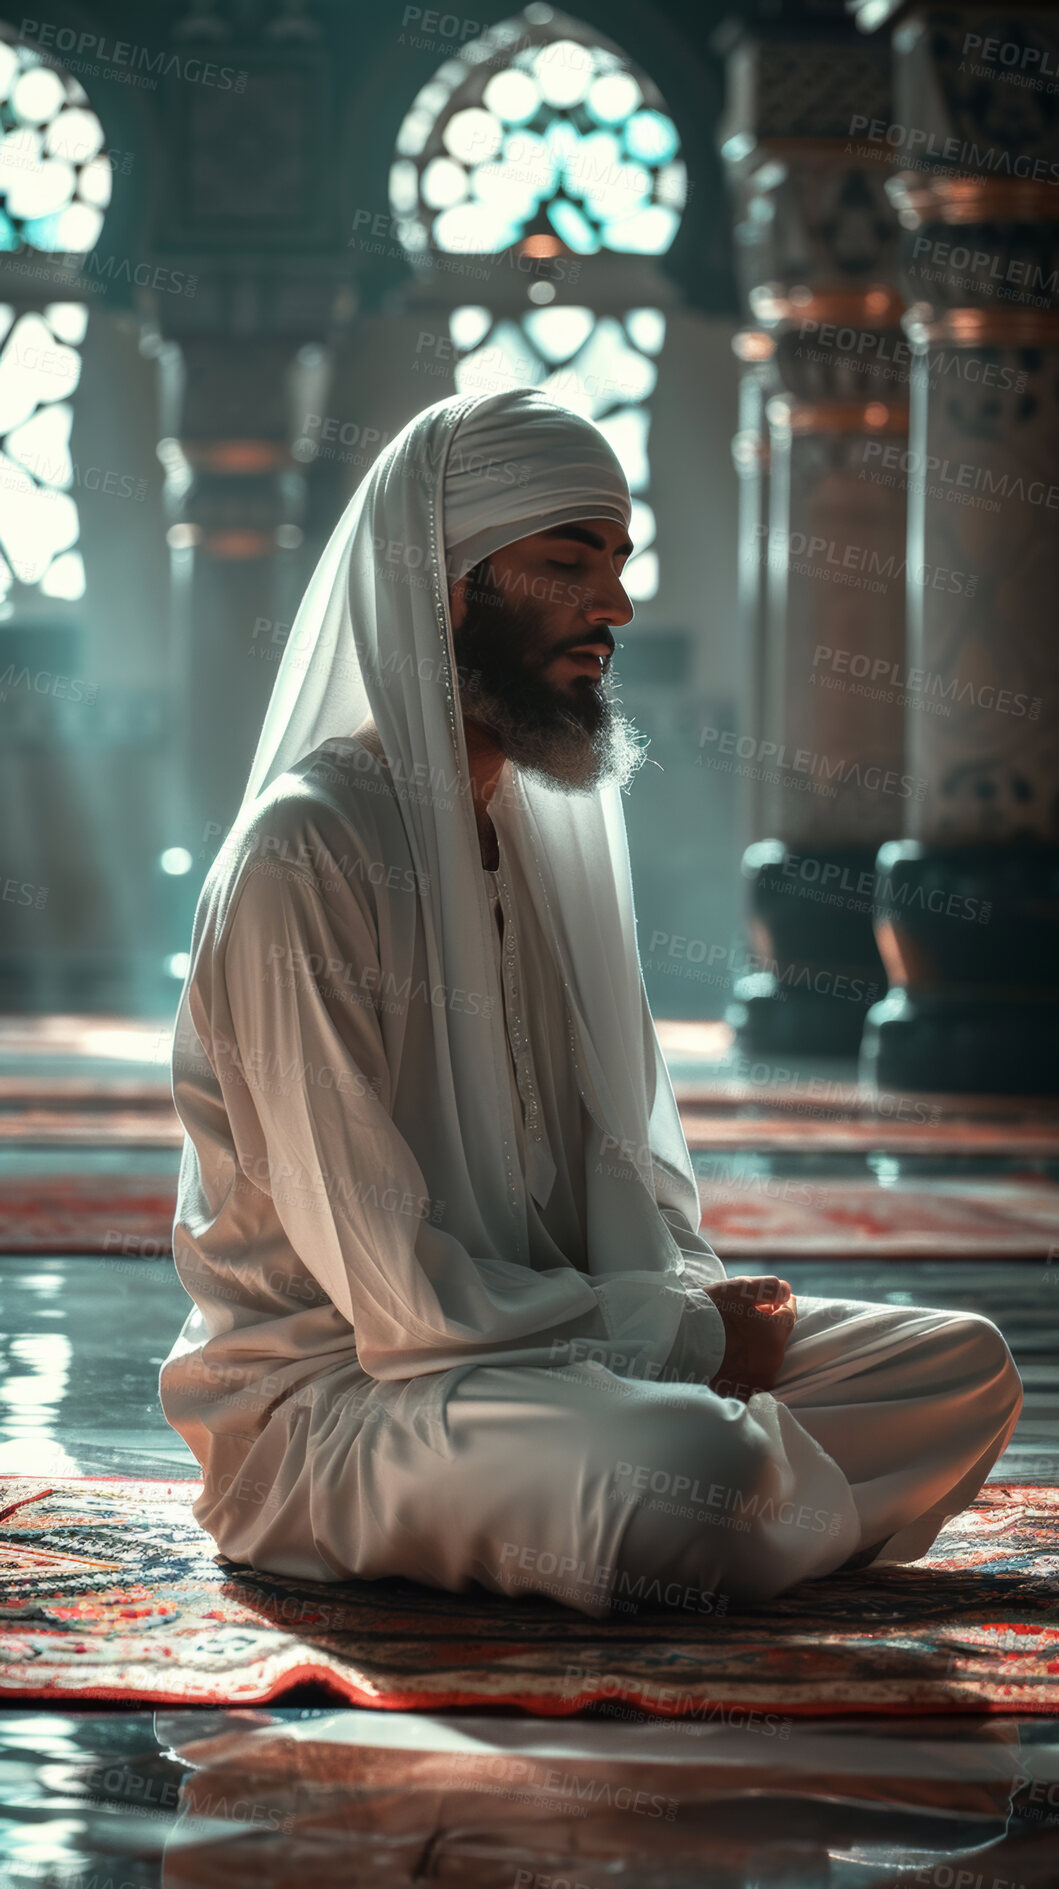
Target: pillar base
[961,1046]
[971,935]
[771,1021]
[816,966]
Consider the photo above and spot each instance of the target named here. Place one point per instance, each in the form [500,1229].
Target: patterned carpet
[751,1214]
[113,1593]
[789,1164]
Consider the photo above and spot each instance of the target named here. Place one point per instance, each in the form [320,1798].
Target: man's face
[533,636]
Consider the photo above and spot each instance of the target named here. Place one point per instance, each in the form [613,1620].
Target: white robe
[367,1397]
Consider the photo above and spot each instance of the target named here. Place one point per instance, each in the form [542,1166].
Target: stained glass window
[604,368]
[538,118]
[543,131]
[55,183]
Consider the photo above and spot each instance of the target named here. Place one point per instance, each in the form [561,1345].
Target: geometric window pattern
[601,367]
[55,183]
[55,178]
[39,528]
[538,127]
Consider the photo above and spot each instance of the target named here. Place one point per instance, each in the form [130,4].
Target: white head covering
[373,636]
[518,464]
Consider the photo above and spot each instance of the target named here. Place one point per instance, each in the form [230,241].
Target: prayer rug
[105,1212]
[81,1115]
[112,1592]
[717,1127]
[761,1216]
[34,1123]
[773,1218]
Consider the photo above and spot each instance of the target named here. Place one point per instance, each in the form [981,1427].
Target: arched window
[602,367]
[539,114]
[55,183]
[542,137]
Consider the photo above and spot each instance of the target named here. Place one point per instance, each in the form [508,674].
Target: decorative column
[250,219]
[755,350]
[816,246]
[967,902]
[236,500]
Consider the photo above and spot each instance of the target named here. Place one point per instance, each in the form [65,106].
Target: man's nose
[608,604]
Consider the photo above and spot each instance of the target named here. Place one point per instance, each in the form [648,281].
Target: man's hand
[759,1317]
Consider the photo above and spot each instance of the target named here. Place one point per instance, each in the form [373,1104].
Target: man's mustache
[590,636]
[526,653]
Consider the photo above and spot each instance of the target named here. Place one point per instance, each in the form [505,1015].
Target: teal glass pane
[652,137]
[573,228]
[533,161]
[513,96]
[646,328]
[558,333]
[612,370]
[42,232]
[562,139]
[612,97]
[648,233]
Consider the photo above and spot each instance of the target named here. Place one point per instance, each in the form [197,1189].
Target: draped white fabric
[374,636]
[518,464]
[334,1335]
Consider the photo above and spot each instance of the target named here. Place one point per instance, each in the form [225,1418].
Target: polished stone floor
[276,1798]
[302,1796]
[105,1799]
[82,1339]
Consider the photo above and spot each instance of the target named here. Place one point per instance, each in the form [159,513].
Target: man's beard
[572,737]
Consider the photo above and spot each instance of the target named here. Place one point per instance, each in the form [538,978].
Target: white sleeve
[701,1263]
[701,1340]
[347,1189]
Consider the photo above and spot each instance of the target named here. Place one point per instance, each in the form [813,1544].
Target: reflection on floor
[282,1797]
[860,1197]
